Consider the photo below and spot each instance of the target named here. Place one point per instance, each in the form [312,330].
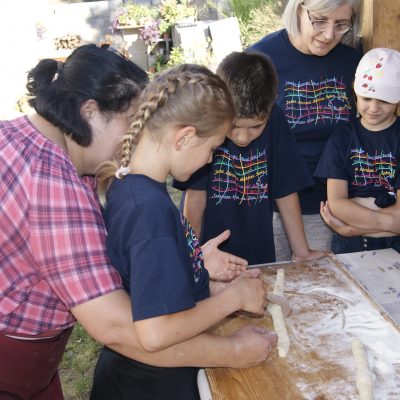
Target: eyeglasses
[321,25]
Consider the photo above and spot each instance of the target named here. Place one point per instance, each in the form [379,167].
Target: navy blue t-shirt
[367,160]
[316,96]
[241,184]
[154,248]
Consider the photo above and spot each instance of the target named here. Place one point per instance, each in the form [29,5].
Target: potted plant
[172,12]
[132,16]
[176,57]
[150,32]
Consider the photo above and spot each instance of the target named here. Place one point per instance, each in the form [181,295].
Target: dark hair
[58,89]
[252,80]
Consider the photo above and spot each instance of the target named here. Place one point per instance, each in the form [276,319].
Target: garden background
[32,30]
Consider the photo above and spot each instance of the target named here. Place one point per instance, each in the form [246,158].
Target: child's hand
[310,255]
[251,294]
[222,266]
[253,345]
[335,223]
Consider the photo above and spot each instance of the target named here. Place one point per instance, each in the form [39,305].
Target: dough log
[365,383]
[277,317]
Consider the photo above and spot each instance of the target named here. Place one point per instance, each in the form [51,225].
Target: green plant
[262,20]
[176,57]
[172,11]
[76,370]
[132,15]
[242,8]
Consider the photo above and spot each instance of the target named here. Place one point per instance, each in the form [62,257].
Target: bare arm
[248,294]
[289,208]
[108,319]
[194,207]
[339,226]
[245,348]
[348,211]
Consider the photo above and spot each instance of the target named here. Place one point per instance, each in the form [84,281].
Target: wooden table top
[329,309]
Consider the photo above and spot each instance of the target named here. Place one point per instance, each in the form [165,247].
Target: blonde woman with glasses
[316,56]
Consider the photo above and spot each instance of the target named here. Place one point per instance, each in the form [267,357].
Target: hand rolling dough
[277,316]
[364,378]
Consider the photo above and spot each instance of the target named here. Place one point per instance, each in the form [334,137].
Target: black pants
[117,377]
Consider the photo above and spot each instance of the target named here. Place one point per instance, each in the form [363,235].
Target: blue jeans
[341,244]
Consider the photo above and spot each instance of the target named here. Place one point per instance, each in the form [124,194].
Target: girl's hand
[218,286]
[251,294]
[335,223]
[253,344]
[222,266]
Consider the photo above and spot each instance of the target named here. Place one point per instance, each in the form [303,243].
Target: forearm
[360,217]
[290,212]
[204,350]
[350,230]
[161,332]
[108,319]
[194,207]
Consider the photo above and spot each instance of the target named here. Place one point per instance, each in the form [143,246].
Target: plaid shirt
[52,237]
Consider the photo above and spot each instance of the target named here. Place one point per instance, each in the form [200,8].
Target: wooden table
[329,309]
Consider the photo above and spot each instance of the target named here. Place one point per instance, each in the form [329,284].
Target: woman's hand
[222,266]
[252,345]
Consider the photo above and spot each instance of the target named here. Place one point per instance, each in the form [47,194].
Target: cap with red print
[378,75]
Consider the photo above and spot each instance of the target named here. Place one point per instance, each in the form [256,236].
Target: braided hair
[187,95]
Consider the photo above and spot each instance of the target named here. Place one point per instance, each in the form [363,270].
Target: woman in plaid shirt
[53,264]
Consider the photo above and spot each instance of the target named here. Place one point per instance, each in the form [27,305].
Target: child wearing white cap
[361,162]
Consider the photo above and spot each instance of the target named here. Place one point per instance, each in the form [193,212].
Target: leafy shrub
[261,20]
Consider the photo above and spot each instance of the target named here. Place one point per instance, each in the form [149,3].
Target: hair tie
[60,65]
[121,172]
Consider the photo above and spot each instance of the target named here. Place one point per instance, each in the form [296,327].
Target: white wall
[21,48]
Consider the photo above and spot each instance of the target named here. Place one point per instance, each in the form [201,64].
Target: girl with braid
[184,114]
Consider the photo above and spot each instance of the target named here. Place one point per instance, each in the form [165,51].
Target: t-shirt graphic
[373,170]
[240,178]
[196,255]
[313,102]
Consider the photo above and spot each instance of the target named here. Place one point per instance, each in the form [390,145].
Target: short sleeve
[289,170]
[198,181]
[159,283]
[68,239]
[332,163]
[396,181]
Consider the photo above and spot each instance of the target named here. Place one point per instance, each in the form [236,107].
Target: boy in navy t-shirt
[258,163]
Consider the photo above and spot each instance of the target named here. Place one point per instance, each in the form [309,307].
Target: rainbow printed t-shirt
[241,185]
[153,248]
[368,160]
[315,94]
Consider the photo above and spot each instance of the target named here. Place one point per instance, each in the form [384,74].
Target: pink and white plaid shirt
[52,237]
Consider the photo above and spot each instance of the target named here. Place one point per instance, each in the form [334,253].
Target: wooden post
[381,24]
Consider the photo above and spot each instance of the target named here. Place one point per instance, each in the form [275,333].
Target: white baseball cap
[378,75]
